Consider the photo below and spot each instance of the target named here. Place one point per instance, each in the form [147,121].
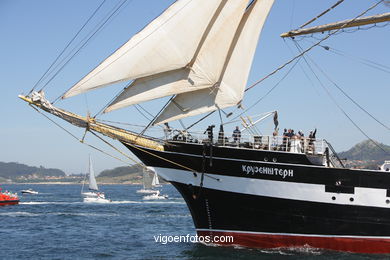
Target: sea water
[56,224]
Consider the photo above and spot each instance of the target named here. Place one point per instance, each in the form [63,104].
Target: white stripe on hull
[278,189]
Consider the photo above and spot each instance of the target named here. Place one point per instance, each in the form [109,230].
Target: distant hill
[124,174]
[366,155]
[366,150]
[14,170]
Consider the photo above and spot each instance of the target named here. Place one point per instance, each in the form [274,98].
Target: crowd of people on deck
[294,142]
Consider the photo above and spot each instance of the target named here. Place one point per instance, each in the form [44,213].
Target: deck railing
[260,142]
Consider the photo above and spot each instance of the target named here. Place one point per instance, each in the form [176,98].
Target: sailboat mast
[340,25]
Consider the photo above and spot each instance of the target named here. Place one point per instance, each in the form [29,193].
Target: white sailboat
[148,184]
[149,187]
[93,195]
[155,181]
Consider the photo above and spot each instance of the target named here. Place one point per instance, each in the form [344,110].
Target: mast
[380,18]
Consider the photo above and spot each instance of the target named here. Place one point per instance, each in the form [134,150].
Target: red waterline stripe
[347,244]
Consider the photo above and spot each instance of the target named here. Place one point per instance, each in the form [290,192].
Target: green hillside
[14,170]
[124,174]
[366,150]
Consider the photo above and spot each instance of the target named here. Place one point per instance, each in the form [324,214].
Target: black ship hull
[279,200]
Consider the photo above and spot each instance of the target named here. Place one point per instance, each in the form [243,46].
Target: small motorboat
[155,196]
[97,197]
[146,191]
[29,191]
[8,198]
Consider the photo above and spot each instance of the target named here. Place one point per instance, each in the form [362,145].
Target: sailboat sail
[92,180]
[233,77]
[202,72]
[165,44]
[155,181]
[147,182]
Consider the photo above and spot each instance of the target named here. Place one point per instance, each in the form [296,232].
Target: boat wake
[45,203]
[19,214]
[303,250]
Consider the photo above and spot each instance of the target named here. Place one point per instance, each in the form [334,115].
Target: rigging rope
[321,14]
[75,137]
[338,106]
[155,117]
[266,94]
[66,47]
[86,40]
[366,62]
[349,97]
[311,47]
[116,149]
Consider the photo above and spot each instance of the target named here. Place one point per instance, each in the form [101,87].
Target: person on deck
[312,138]
[236,135]
[167,130]
[221,135]
[209,132]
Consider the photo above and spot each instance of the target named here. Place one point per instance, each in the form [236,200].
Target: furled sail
[167,43]
[361,21]
[230,91]
[202,72]
[92,180]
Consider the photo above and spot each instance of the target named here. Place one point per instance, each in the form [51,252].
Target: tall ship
[267,191]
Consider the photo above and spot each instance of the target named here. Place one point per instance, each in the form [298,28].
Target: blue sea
[56,224]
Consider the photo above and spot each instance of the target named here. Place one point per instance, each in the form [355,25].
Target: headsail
[92,180]
[146,181]
[202,72]
[155,181]
[234,76]
[165,44]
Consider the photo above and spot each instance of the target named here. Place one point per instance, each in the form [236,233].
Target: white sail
[155,181]
[147,183]
[92,180]
[203,72]
[167,43]
[234,77]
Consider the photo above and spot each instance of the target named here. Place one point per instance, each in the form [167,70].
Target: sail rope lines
[349,97]
[321,14]
[102,69]
[366,62]
[150,153]
[128,143]
[311,47]
[167,160]
[268,92]
[66,47]
[337,104]
[303,52]
[84,42]
[83,142]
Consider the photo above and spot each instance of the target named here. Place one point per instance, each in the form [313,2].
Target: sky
[33,33]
